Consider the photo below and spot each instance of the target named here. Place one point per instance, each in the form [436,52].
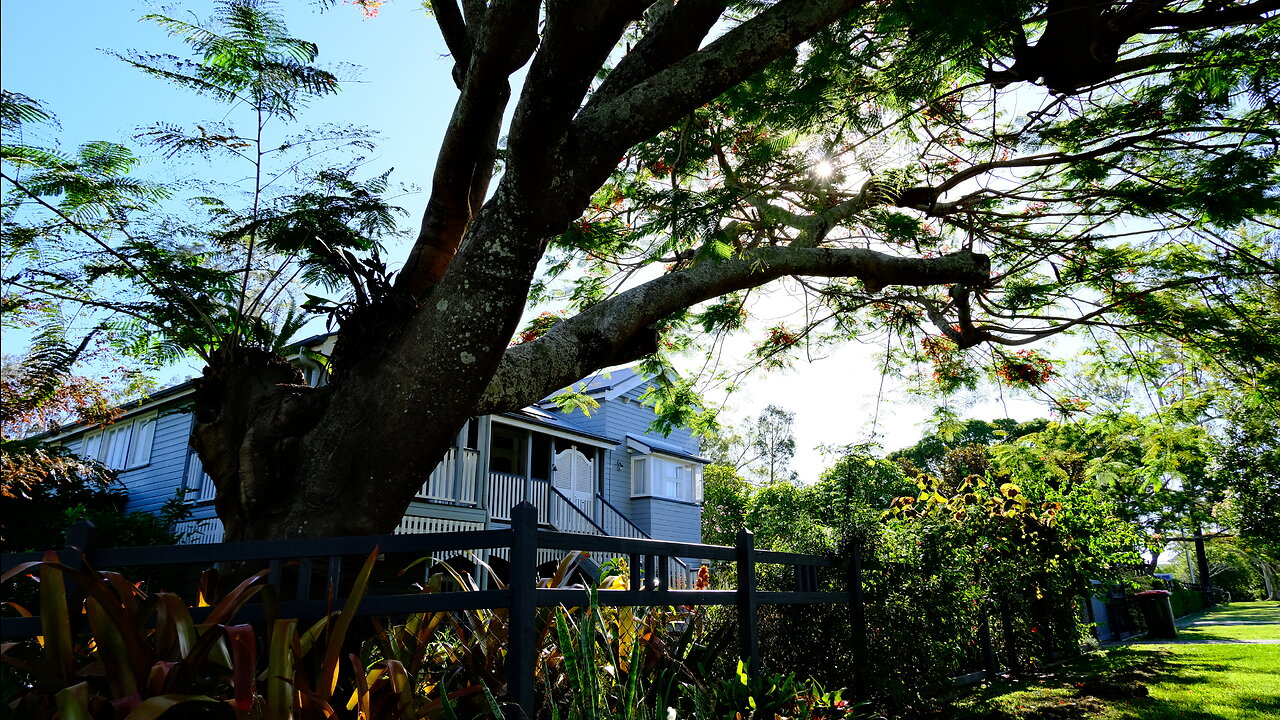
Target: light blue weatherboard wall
[627,414]
[165,473]
[156,482]
[151,485]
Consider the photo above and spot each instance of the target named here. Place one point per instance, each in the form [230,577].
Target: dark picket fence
[648,560]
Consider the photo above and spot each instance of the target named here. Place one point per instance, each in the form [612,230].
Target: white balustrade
[440,484]
[199,532]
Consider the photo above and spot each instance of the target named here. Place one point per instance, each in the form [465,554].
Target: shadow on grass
[1128,683]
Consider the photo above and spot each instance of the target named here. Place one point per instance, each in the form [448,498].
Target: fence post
[521,653]
[858,618]
[81,536]
[984,639]
[1010,640]
[748,630]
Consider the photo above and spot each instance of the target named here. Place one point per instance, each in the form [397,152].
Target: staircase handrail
[640,530]
[624,518]
[576,509]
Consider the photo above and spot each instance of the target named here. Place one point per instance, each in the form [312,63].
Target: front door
[574,476]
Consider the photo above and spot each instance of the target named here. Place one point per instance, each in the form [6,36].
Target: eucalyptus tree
[967,177]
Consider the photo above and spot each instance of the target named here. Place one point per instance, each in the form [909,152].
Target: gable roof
[611,384]
[555,424]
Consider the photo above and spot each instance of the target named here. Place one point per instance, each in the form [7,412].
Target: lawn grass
[1182,681]
[1230,632]
[1242,611]
[1213,681]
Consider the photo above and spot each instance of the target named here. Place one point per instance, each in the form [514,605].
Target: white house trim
[554,432]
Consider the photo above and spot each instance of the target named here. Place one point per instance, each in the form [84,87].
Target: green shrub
[1186,601]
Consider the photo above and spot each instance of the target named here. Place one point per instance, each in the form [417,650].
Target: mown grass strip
[1178,680]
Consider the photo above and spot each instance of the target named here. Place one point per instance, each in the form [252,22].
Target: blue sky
[403,89]
[55,53]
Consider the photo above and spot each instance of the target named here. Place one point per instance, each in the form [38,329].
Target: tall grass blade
[280,662]
[327,682]
[55,620]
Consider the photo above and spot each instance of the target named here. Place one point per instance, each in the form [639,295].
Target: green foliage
[1154,472]
[930,454]
[726,498]
[225,274]
[144,669]
[939,553]
[1248,463]
[1119,213]
[244,55]
[68,490]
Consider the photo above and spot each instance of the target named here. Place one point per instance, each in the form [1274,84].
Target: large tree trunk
[293,461]
[348,458]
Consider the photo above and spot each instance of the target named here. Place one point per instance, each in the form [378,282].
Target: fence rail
[648,559]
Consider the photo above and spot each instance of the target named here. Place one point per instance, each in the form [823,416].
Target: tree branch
[677,30]
[504,43]
[606,334]
[604,131]
[454,30]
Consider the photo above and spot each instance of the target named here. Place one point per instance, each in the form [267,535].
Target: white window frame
[124,445]
[657,476]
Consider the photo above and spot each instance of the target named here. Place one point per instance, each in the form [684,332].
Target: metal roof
[648,444]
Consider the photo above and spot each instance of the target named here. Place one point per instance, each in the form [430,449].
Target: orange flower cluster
[1025,369]
[368,7]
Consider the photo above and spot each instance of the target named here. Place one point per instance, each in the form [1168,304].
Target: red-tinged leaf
[158,678]
[17,570]
[127,591]
[15,606]
[153,708]
[127,618]
[55,618]
[175,630]
[234,600]
[327,682]
[361,695]
[211,642]
[126,705]
[311,706]
[244,664]
[401,685]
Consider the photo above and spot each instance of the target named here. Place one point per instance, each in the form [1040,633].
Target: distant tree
[764,451]
[931,452]
[774,442]
[781,512]
[726,498]
[859,487]
[1155,472]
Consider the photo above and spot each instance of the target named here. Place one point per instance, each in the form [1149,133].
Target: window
[123,445]
[669,478]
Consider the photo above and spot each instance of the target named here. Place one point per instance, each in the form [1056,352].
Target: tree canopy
[953,180]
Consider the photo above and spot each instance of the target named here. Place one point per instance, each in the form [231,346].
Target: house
[600,474]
